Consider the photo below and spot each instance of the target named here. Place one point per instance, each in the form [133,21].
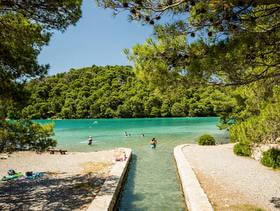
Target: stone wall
[107,197]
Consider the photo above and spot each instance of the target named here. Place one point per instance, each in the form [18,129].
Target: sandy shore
[70,181]
[232,182]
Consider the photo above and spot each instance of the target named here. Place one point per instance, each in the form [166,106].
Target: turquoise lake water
[152,183]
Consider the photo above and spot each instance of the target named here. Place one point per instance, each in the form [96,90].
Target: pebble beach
[69,182]
[232,182]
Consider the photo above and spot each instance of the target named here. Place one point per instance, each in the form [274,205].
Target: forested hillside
[111,92]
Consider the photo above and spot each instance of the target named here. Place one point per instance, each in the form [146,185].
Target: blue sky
[98,38]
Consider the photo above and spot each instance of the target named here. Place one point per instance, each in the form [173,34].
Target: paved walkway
[232,182]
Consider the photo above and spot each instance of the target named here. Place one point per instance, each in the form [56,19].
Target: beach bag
[29,173]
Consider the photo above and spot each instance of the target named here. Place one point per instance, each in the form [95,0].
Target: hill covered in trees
[111,92]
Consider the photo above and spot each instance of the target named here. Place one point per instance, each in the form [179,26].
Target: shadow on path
[48,193]
[276,202]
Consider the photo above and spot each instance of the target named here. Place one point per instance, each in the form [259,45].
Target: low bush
[25,134]
[242,149]
[271,158]
[206,139]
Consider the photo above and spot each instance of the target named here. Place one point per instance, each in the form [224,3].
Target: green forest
[110,92]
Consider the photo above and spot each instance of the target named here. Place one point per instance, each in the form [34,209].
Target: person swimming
[90,140]
[153,143]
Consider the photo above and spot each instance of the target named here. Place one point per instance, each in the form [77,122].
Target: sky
[98,38]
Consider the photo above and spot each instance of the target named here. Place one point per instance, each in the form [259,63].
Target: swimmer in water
[90,140]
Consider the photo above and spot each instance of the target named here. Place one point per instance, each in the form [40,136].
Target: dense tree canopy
[258,120]
[24,28]
[50,14]
[236,42]
[112,91]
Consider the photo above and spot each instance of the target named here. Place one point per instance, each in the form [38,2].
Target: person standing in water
[90,140]
[153,143]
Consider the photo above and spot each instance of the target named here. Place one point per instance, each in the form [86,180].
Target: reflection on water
[151,183]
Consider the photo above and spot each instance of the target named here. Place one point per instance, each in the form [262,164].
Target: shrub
[260,128]
[24,134]
[206,139]
[242,149]
[271,158]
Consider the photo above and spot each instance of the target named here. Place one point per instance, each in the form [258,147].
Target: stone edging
[108,194]
[195,197]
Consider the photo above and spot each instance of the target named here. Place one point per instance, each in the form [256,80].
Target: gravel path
[232,182]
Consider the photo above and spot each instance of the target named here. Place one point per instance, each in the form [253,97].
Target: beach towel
[12,177]
[33,175]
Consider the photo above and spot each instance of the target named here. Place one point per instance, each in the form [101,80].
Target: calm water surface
[152,183]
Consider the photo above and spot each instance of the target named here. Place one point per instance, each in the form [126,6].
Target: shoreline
[182,117]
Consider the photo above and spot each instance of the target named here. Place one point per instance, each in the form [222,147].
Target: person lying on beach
[121,157]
